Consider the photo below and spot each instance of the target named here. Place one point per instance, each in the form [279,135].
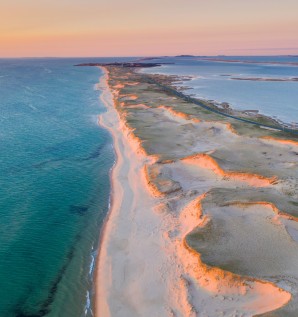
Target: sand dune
[206,161]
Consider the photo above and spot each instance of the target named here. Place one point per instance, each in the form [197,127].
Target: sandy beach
[201,221]
[131,273]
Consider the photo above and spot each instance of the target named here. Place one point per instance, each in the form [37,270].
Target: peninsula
[203,218]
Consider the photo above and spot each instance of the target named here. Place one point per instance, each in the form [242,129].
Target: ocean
[54,178]
[215,80]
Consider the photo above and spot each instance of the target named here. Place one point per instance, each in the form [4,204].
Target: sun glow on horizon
[139,28]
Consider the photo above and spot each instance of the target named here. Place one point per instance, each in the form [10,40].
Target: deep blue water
[54,185]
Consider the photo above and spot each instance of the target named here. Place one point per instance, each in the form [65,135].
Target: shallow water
[54,179]
[213,80]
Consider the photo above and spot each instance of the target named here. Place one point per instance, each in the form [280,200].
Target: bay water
[217,78]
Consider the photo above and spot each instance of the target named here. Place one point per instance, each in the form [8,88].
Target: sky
[43,28]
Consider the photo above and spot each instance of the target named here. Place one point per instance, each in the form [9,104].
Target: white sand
[132,266]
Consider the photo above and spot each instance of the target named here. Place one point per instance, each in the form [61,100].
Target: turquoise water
[213,80]
[54,180]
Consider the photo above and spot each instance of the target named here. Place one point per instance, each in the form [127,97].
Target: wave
[88,309]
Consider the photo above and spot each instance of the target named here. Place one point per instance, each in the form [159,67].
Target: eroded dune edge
[203,219]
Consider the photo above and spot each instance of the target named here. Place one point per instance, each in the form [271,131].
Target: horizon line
[144,56]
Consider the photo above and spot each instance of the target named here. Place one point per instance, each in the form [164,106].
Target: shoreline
[106,267]
[145,265]
[234,108]
[179,83]
[104,86]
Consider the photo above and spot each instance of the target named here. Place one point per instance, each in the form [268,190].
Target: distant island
[222,60]
[265,79]
[185,56]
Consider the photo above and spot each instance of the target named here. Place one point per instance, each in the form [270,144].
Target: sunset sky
[143,28]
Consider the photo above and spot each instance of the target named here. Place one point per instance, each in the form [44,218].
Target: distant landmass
[185,56]
[131,65]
